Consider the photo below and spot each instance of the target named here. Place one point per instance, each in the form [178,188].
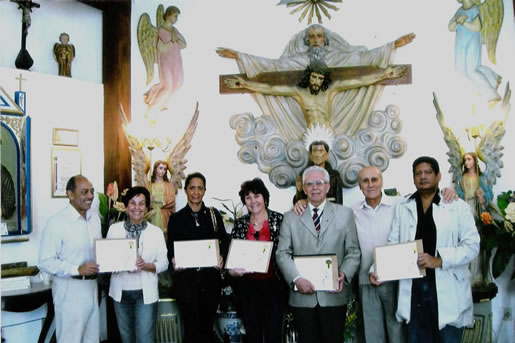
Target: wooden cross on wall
[292,77]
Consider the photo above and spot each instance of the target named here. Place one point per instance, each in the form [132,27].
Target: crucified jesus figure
[316,91]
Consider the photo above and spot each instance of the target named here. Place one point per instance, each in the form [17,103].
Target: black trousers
[320,324]
[261,305]
[198,294]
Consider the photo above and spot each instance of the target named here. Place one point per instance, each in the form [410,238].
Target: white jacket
[457,243]
[152,249]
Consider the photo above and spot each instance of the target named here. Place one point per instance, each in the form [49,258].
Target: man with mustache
[66,252]
[438,306]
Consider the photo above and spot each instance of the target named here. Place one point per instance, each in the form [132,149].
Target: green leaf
[500,261]
[102,206]
[503,200]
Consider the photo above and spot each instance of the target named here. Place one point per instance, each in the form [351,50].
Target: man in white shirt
[374,222]
[66,252]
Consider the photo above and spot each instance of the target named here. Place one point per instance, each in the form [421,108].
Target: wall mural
[475,24]
[161,44]
[362,136]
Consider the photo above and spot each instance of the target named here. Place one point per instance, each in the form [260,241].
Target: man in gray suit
[319,316]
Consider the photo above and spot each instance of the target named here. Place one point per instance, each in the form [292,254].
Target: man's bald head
[371,184]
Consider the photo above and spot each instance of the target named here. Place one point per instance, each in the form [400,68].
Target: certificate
[320,270]
[398,261]
[116,255]
[253,256]
[196,253]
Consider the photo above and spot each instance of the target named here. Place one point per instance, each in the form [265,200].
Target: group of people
[434,308]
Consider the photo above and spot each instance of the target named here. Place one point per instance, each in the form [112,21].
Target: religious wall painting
[476,24]
[161,44]
[362,135]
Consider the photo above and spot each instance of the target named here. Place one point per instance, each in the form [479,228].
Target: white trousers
[76,310]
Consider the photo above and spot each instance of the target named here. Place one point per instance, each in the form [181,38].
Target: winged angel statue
[161,44]
[477,23]
[472,184]
[175,160]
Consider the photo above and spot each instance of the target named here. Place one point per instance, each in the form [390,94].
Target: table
[25,300]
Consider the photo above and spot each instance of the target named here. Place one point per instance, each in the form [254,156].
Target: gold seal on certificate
[398,261]
[116,255]
[196,253]
[320,270]
[253,256]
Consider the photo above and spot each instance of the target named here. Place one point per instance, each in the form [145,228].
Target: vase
[229,327]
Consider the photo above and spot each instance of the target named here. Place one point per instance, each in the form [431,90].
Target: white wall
[261,28]
[83,23]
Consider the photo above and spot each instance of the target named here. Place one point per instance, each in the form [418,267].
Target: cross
[20,79]
[292,77]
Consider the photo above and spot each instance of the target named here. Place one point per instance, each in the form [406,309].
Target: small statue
[64,53]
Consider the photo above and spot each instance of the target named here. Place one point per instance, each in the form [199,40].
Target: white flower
[510,212]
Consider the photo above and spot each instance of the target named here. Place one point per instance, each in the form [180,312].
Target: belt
[84,277]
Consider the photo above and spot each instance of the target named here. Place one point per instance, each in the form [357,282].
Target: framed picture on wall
[66,162]
[66,137]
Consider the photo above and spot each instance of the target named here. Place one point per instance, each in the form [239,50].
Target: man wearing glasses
[324,228]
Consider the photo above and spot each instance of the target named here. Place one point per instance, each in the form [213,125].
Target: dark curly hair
[319,68]
[255,186]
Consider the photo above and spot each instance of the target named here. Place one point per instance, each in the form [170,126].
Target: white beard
[317,54]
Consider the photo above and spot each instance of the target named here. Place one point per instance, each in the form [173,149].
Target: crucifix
[292,77]
[24,60]
[315,88]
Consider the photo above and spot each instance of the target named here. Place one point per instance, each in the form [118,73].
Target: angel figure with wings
[472,184]
[162,193]
[475,24]
[162,188]
[162,45]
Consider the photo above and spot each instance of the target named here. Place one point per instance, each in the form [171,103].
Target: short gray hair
[315,169]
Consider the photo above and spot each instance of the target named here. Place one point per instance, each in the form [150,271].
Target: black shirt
[426,228]
[186,225]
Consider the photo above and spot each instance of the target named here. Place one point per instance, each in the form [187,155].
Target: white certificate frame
[202,253]
[320,270]
[65,137]
[253,256]
[116,254]
[398,261]
[66,162]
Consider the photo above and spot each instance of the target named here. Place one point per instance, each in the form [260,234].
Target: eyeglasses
[312,183]
[256,235]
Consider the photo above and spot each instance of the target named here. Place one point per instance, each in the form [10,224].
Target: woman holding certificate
[194,233]
[135,292]
[260,297]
